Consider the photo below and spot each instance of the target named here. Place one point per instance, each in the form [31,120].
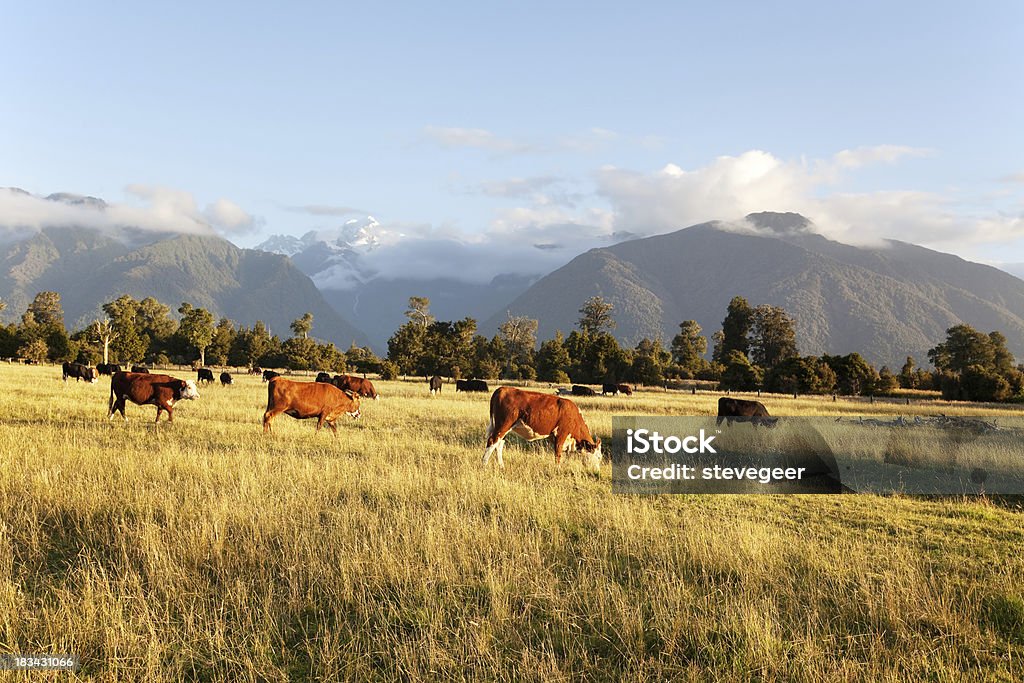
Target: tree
[739,374]
[46,311]
[520,336]
[220,345]
[102,332]
[596,316]
[797,375]
[196,328]
[154,322]
[303,325]
[735,329]
[886,381]
[406,347]
[907,377]
[650,360]
[553,360]
[854,375]
[127,343]
[772,336]
[688,347]
[419,311]
[964,347]
[34,350]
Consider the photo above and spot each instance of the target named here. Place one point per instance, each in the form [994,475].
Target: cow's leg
[496,440]
[560,440]
[320,421]
[334,427]
[268,416]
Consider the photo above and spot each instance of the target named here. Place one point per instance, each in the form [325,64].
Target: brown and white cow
[534,416]
[356,385]
[739,410]
[162,391]
[304,400]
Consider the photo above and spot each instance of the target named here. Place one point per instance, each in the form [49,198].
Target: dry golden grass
[204,551]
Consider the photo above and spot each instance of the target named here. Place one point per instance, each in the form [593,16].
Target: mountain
[886,302]
[337,261]
[89,268]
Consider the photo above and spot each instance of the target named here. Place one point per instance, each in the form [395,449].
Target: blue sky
[554,123]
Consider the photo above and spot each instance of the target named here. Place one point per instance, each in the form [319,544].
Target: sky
[521,132]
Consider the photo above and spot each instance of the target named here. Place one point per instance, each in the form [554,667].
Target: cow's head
[187,390]
[94,375]
[354,411]
[591,453]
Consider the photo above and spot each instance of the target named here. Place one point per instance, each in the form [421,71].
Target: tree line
[755,349]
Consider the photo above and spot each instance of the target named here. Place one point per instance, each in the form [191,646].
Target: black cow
[471,385]
[140,368]
[739,410]
[612,389]
[269,375]
[226,379]
[578,390]
[435,385]
[255,370]
[108,368]
[324,377]
[80,372]
[204,375]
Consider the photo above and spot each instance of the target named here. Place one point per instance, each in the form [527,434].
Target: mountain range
[89,268]
[885,301]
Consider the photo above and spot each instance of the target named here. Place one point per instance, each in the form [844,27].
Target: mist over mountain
[89,268]
[885,302]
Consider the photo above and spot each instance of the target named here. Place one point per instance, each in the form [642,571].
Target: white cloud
[326,210]
[476,138]
[163,210]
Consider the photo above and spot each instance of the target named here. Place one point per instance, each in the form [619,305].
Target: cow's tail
[110,405]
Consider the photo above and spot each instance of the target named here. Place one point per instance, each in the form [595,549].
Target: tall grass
[201,550]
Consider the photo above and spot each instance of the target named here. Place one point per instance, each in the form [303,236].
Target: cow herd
[530,415]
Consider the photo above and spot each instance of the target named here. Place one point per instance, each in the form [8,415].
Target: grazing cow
[612,389]
[140,368]
[471,385]
[625,389]
[323,377]
[80,372]
[255,370]
[204,375]
[578,390]
[534,416]
[29,361]
[226,379]
[269,375]
[356,385]
[142,389]
[736,409]
[435,384]
[109,368]
[303,400]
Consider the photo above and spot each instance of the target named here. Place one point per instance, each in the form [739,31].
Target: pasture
[203,550]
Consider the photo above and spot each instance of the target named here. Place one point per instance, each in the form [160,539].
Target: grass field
[202,550]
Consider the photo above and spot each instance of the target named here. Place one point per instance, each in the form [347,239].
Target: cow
[142,389]
[612,389]
[80,372]
[471,385]
[256,370]
[140,368]
[226,379]
[269,375]
[29,361]
[435,384]
[356,385]
[534,416]
[323,377]
[736,409]
[578,390]
[108,368]
[625,389]
[204,375]
[303,400]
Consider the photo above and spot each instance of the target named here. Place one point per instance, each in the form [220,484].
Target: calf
[269,375]
[579,390]
[80,372]
[204,375]
[141,389]
[226,379]
[533,416]
[739,410]
[108,368]
[625,389]
[323,377]
[435,384]
[140,368]
[303,400]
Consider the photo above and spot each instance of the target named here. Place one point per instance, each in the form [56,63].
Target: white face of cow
[190,391]
[592,459]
